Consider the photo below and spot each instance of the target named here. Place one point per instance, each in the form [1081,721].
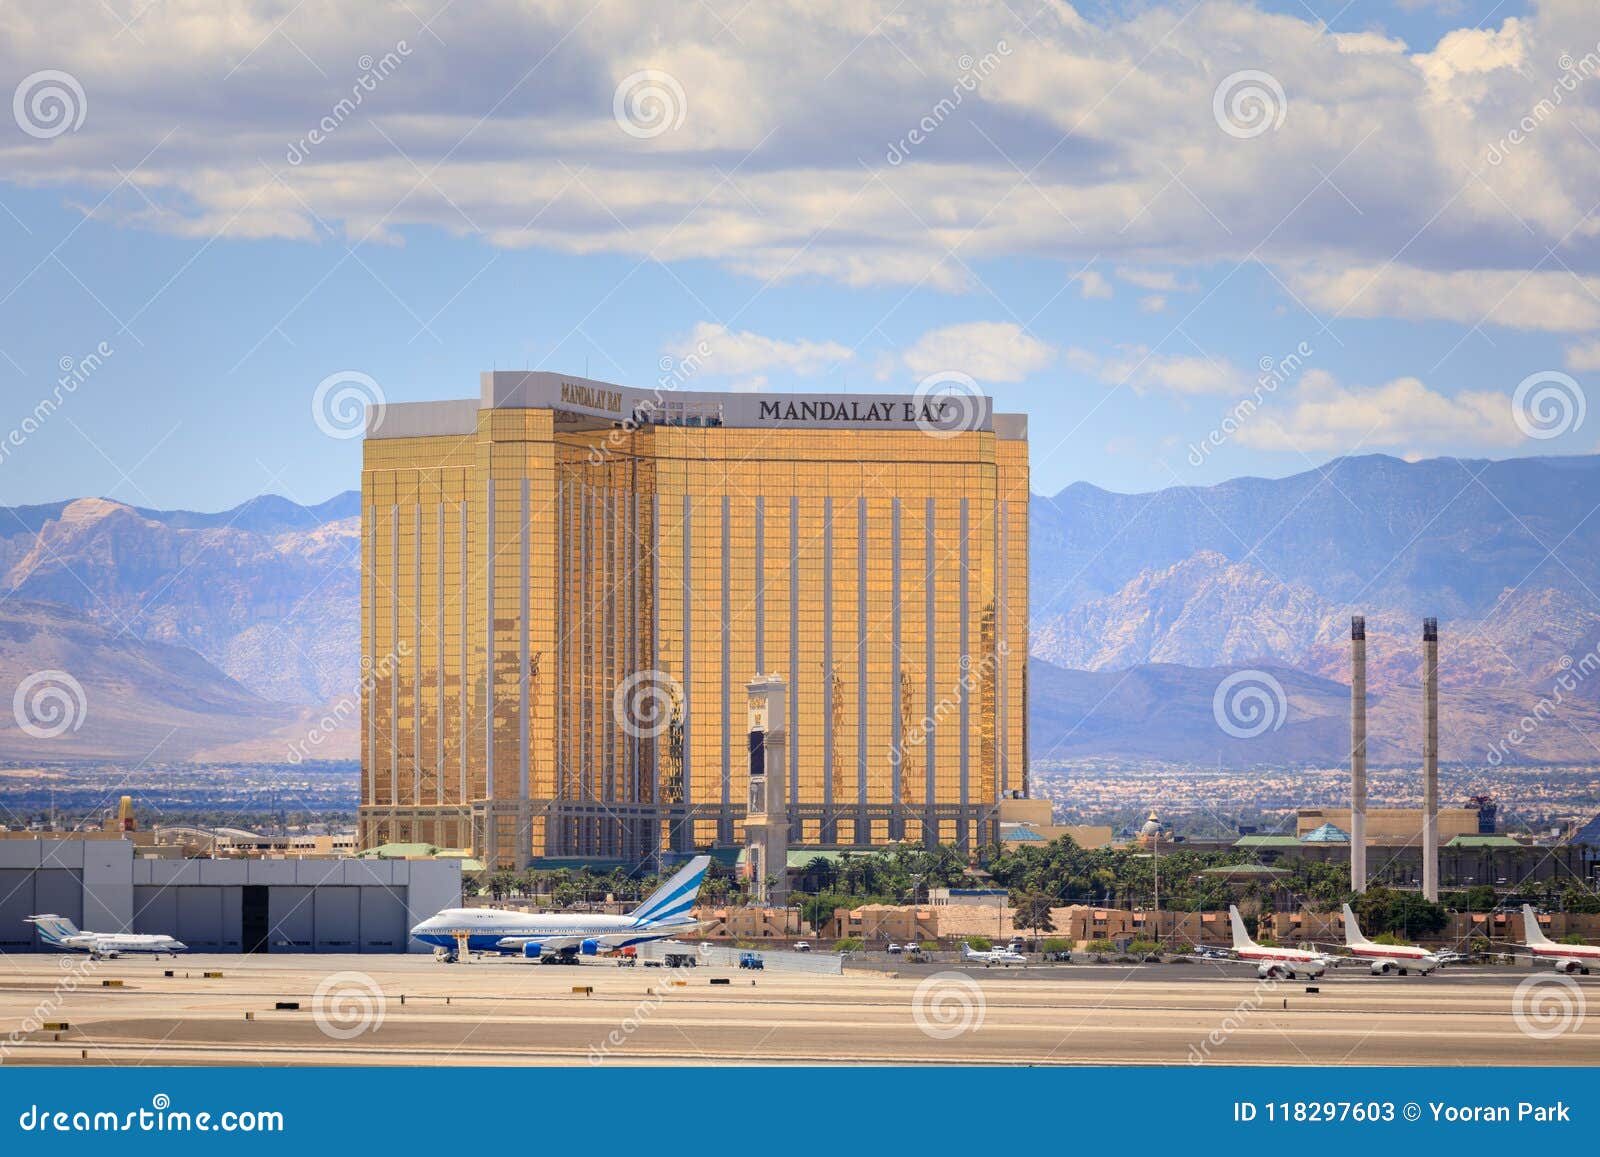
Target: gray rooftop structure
[592,404]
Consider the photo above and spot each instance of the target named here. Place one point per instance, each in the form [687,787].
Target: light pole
[1155,860]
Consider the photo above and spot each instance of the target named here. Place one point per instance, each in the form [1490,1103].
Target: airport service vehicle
[59,932]
[559,938]
[682,960]
[1386,958]
[1566,958]
[1274,963]
[1001,956]
[752,961]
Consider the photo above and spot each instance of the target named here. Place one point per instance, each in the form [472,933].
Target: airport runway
[413,1010]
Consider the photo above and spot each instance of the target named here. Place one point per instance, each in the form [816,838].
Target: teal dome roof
[1327,834]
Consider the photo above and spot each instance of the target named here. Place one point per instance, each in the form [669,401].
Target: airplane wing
[545,943]
[566,943]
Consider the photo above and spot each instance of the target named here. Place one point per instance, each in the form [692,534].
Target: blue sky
[1085,231]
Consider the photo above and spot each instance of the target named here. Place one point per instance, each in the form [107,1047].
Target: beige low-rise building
[1391,827]
[733,923]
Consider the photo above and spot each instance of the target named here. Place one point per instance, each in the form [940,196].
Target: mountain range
[221,634]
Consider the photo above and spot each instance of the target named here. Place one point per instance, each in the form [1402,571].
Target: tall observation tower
[766,823]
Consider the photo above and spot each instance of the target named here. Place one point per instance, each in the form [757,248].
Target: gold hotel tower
[567,585]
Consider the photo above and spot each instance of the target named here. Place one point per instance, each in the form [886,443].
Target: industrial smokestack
[1358,753]
[1430,759]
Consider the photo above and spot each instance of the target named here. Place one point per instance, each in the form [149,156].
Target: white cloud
[499,122]
[1362,43]
[1149,372]
[1157,280]
[1584,357]
[1558,302]
[990,351]
[1404,415]
[744,353]
[1093,284]
[1153,303]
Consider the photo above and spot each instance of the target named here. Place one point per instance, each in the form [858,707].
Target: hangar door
[28,892]
[336,918]
[203,916]
[383,920]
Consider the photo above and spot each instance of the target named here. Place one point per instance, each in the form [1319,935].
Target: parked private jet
[561,938]
[1001,956]
[59,932]
[1386,958]
[1272,963]
[1565,957]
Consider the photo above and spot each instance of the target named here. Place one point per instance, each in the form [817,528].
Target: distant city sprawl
[1203,800]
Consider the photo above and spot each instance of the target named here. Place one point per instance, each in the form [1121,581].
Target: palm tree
[821,869]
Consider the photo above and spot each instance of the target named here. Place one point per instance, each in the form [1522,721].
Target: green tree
[1033,910]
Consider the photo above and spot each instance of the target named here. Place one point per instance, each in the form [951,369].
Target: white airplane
[557,938]
[1001,956]
[59,932]
[1386,958]
[1287,963]
[1566,957]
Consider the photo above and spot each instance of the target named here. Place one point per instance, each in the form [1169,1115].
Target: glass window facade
[561,611]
